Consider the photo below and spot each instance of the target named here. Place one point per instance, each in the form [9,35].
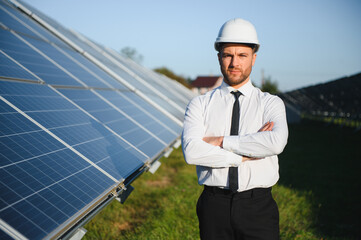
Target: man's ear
[254,59]
[219,57]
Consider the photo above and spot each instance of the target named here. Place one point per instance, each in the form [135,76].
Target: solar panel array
[78,123]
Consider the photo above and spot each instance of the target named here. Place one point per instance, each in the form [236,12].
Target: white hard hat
[237,31]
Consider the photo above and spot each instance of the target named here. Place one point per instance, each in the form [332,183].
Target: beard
[236,79]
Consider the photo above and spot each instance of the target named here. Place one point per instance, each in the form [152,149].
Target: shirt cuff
[230,143]
[234,159]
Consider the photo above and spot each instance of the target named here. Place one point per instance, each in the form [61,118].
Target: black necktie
[233,171]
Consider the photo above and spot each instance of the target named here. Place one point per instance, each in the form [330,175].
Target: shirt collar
[246,89]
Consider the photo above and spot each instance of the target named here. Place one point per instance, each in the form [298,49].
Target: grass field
[318,193]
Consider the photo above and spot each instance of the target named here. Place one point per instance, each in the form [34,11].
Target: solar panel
[76,126]
[9,68]
[33,60]
[131,78]
[177,92]
[158,93]
[158,124]
[135,133]
[141,102]
[12,18]
[43,183]
[174,93]
[94,70]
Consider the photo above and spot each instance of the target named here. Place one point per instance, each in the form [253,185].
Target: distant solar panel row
[74,126]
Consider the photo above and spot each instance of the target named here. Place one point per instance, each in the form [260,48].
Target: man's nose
[235,62]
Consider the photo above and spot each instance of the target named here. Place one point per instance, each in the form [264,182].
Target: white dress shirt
[210,115]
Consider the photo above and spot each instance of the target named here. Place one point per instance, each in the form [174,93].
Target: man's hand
[245,158]
[267,127]
[216,141]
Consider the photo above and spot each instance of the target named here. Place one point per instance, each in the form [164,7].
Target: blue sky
[302,42]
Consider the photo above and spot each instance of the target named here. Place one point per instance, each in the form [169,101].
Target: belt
[255,192]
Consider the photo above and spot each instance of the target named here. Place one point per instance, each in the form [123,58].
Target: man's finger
[245,158]
[267,127]
[264,127]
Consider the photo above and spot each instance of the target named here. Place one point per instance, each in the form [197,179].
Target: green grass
[325,161]
[317,194]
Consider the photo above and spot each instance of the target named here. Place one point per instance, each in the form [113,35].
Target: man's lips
[235,71]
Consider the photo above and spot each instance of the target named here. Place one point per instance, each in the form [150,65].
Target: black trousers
[223,215]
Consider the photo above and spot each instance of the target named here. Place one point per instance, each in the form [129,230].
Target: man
[234,134]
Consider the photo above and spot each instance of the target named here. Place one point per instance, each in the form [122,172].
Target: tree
[165,71]
[269,86]
[132,53]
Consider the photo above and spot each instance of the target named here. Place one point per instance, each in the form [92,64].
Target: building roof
[205,81]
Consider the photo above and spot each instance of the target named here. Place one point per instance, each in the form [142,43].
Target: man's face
[236,63]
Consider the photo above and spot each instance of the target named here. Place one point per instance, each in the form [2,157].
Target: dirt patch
[122,226]
[164,182]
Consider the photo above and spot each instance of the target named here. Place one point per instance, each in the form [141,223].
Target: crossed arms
[226,151]
[218,141]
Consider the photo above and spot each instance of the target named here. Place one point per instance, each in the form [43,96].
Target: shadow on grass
[326,160]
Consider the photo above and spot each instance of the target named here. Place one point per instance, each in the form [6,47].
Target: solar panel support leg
[79,234]
[168,152]
[124,194]
[154,167]
[177,144]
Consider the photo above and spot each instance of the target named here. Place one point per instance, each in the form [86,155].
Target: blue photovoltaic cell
[9,68]
[143,89]
[114,83]
[177,92]
[75,127]
[33,61]
[65,62]
[161,84]
[48,20]
[152,79]
[156,113]
[96,70]
[11,17]
[167,106]
[9,21]
[57,56]
[42,183]
[114,119]
[141,115]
